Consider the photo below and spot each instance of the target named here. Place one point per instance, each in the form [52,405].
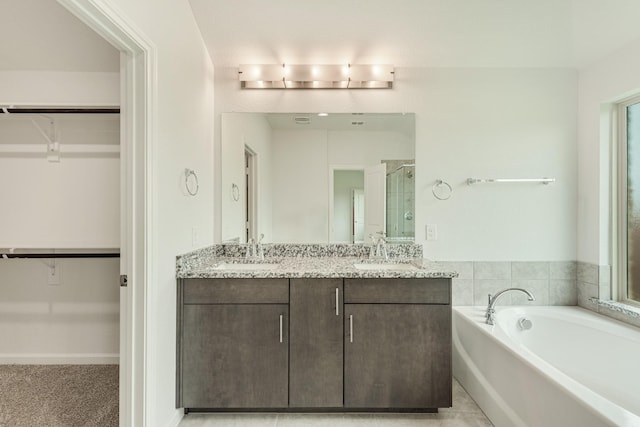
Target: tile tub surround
[551,282]
[594,293]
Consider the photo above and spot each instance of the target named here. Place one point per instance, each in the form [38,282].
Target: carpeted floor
[58,395]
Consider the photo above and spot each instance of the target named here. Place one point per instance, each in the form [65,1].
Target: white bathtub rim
[600,406]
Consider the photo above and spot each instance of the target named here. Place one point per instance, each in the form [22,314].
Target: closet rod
[59,111]
[61,255]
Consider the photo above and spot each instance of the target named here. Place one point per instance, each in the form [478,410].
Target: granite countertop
[207,264]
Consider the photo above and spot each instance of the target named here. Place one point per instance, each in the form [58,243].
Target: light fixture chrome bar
[545,181]
[273,76]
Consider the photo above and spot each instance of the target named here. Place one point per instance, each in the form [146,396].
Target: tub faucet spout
[491,312]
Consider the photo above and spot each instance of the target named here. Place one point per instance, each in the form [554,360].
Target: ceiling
[416,33]
[42,35]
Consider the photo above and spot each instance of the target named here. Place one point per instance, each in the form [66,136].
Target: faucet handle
[261,237]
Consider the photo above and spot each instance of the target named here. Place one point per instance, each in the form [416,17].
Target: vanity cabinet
[233,347]
[397,343]
[304,344]
[315,372]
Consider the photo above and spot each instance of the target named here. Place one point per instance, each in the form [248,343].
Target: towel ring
[187,174]
[235,192]
[441,190]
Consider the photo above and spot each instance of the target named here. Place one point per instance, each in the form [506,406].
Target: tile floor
[464,413]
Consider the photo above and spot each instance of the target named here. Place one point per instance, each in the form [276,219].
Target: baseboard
[59,359]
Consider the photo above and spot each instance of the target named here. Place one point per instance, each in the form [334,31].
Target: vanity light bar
[316,76]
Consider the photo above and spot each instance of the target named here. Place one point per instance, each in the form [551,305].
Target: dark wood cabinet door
[235,356]
[397,356]
[316,340]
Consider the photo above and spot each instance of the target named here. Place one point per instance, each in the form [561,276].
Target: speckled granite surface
[312,261]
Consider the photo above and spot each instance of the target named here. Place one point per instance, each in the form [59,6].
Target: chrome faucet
[379,248]
[259,252]
[251,248]
[255,248]
[491,312]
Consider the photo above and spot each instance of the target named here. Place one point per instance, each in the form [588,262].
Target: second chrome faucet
[491,312]
[379,247]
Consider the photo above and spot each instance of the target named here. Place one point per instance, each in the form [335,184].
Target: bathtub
[572,368]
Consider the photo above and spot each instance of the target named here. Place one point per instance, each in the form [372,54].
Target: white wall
[300,186]
[183,139]
[76,321]
[601,84]
[368,148]
[73,203]
[59,88]
[469,123]
[254,132]
[301,161]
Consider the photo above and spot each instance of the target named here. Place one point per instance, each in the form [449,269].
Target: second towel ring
[441,190]
[188,173]
[235,192]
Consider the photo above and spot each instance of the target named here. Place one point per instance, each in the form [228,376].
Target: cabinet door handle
[337,303]
[281,328]
[351,328]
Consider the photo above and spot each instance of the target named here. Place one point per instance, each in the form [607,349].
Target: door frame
[138,65]
[251,196]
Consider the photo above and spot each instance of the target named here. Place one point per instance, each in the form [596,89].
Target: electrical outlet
[53,275]
[432,232]
[194,236]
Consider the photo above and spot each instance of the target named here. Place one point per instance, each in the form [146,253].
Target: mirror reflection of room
[308,175]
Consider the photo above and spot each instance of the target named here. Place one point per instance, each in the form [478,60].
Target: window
[629,202]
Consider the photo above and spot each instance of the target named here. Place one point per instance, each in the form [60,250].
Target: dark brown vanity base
[314,345]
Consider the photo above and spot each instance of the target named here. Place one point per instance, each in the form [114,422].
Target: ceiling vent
[302,120]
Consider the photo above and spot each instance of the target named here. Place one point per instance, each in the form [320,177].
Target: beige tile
[563,292]
[464,412]
[563,270]
[492,270]
[462,402]
[481,289]
[228,420]
[586,291]
[462,292]
[406,420]
[539,289]
[530,270]
[463,268]
[588,273]
[313,420]
[465,420]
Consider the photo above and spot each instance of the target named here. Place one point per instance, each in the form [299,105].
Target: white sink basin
[385,266]
[245,267]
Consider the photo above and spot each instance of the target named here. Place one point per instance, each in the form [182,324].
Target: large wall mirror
[317,178]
